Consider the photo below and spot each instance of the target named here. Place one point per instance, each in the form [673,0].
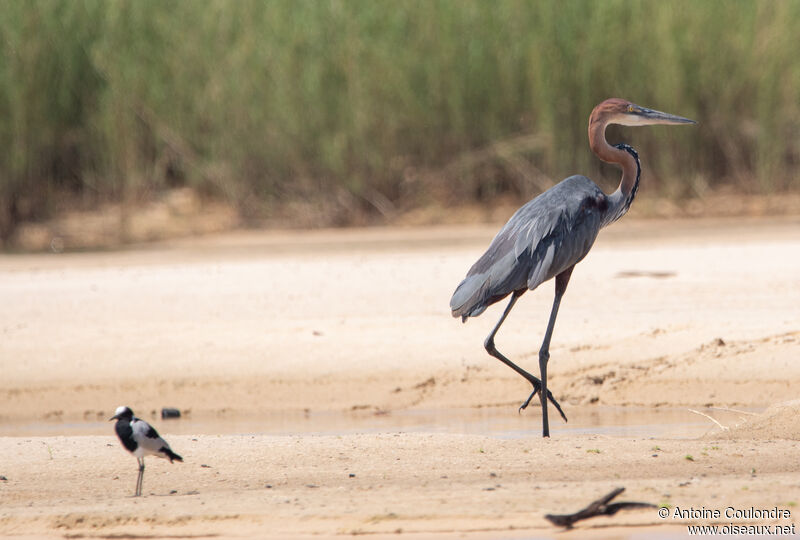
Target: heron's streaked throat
[624,156]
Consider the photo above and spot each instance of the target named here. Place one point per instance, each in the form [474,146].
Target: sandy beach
[327,391]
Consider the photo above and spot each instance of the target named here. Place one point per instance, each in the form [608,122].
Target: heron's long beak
[657,117]
[641,116]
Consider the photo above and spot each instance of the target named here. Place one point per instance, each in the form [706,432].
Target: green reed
[379,104]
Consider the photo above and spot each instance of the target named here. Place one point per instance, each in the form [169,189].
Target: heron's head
[122,412]
[625,113]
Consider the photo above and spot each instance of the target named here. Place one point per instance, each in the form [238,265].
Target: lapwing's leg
[140,478]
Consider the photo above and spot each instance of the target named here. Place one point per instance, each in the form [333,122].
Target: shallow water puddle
[491,421]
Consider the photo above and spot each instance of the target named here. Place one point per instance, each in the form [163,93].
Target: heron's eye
[630,108]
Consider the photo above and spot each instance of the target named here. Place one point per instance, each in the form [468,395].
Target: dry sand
[305,358]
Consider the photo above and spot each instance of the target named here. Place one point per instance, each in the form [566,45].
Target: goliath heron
[549,235]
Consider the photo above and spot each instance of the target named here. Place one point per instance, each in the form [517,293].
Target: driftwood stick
[723,428]
[600,507]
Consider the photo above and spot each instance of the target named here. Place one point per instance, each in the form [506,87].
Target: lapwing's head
[122,413]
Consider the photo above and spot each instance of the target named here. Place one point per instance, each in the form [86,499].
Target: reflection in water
[492,421]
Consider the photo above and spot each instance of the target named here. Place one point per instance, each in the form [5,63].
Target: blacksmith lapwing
[140,439]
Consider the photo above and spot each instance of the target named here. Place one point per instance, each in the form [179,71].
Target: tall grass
[377,103]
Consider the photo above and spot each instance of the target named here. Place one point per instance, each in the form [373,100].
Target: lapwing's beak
[115,417]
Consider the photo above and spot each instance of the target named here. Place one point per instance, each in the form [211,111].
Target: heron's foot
[536,388]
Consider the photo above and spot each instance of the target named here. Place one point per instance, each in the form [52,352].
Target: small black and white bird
[140,439]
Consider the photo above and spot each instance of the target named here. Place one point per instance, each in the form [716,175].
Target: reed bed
[378,105]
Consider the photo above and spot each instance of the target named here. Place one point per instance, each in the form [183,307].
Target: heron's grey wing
[542,239]
[148,438]
[559,241]
[497,272]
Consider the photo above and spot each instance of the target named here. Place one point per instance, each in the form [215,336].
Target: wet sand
[321,346]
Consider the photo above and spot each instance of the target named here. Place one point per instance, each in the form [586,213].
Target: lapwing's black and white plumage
[140,439]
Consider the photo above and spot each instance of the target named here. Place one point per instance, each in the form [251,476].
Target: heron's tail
[469,299]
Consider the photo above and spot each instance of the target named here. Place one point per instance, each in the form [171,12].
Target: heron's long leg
[562,280]
[492,350]
[140,478]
